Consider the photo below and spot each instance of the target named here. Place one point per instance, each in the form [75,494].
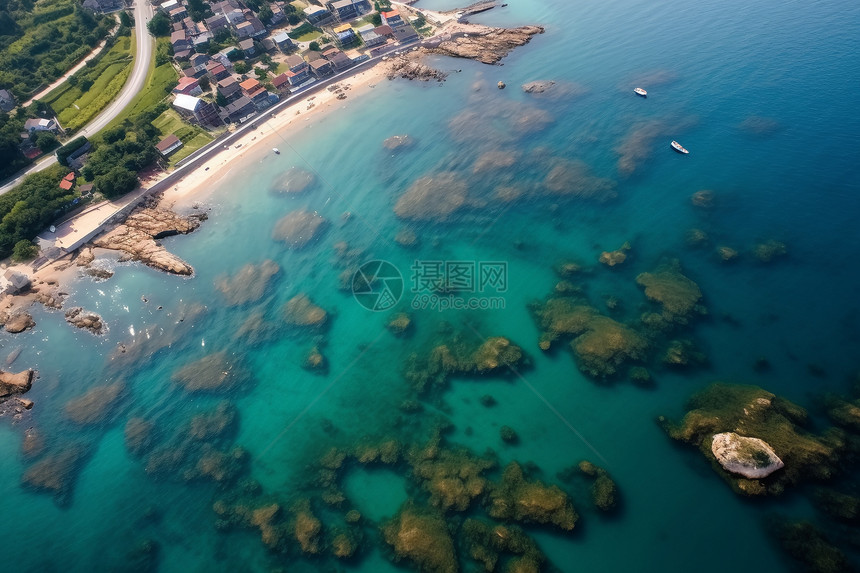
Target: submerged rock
[604,492]
[299,228]
[487,543]
[96,405]
[249,284]
[606,345]
[677,295]
[398,142]
[767,251]
[515,498]
[421,536]
[750,457]
[432,198]
[573,178]
[55,473]
[613,258]
[294,181]
[137,238]
[215,372]
[301,311]
[139,436]
[399,324]
[537,87]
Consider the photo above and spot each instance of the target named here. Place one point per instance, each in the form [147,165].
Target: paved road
[145,43]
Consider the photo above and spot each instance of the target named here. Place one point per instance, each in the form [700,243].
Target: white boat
[679,148]
[640,91]
[276,150]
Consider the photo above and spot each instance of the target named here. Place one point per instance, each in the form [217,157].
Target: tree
[204,83]
[261,73]
[125,19]
[159,25]
[113,135]
[220,99]
[24,251]
[46,141]
[118,181]
[314,46]
[265,13]
[293,19]
[376,20]
[240,67]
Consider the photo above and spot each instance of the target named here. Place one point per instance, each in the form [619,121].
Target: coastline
[200,181]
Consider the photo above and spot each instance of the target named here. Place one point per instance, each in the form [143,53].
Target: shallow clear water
[708,67]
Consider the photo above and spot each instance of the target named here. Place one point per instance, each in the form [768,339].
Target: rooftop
[341,28]
[167,143]
[187,102]
[249,84]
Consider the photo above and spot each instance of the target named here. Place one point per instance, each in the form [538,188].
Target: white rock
[750,457]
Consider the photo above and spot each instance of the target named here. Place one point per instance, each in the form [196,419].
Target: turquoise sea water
[762,95]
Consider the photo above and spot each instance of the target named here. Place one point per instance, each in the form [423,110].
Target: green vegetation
[314,47]
[90,90]
[160,81]
[24,250]
[40,41]
[305,32]
[159,26]
[32,206]
[192,136]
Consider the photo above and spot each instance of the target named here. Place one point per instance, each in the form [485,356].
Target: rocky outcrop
[18,321]
[396,142]
[750,457]
[137,237]
[482,43]
[538,87]
[410,67]
[15,383]
[87,320]
[301,311]
[294,181]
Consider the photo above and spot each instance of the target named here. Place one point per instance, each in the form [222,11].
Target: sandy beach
[197,184]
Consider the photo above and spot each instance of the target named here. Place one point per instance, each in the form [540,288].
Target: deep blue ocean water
[761,93]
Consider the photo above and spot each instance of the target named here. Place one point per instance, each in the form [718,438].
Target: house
[218,72]
[7,101]
[199,61]
[13,282]
[216,22]
[282,83]
[193,107]
[392,18]
[345,34]
[321,68]
[86,189]
[201,42]
[168,145]
[244,29]
[284,43]
[385,31]
[405,34]
[68,181]
[250,85]
[103,6]
[229,88]
[169,5]
[338,59]
[317,15]
[278,15]
[345,10]
[179,41]
[178,14]
[188,86]
[240,110]
[268,45]
[257,27]
[297,65]
[370,37]
[356,56]
[247,47]
[39,124]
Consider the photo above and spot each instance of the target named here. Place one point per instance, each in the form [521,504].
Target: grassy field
[159,82]
[95,86]
[193,137]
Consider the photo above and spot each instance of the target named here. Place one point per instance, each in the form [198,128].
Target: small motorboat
[276,150]
[640,91]
[679,148]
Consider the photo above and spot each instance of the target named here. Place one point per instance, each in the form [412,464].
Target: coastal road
[143,56]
